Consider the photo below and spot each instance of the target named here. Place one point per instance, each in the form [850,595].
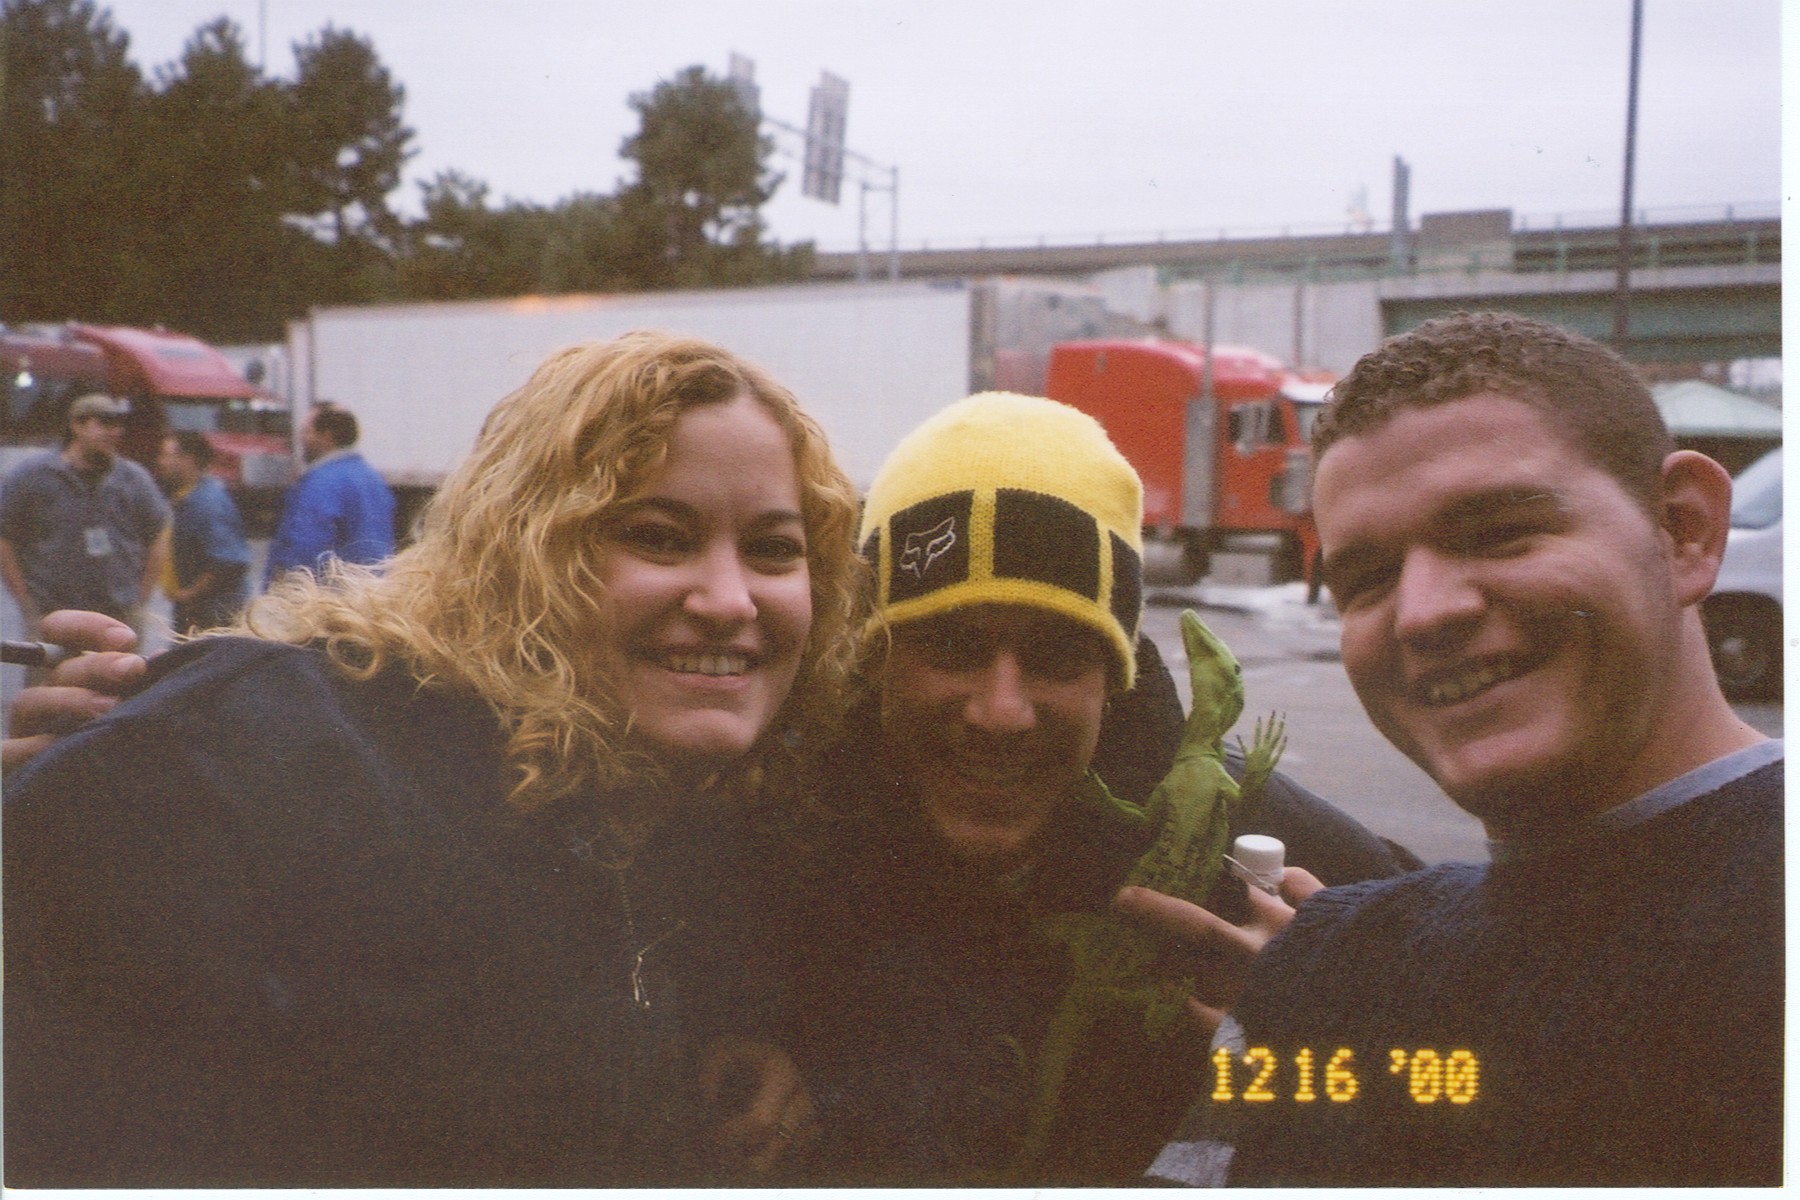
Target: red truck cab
[173,382]
[1232,475]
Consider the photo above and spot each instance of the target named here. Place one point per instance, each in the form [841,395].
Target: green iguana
[1113,960]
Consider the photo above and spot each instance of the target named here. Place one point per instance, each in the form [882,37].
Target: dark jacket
[925,988]
[269,927]
[1608,1011]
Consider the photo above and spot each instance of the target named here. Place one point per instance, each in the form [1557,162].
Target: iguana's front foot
[1267,741]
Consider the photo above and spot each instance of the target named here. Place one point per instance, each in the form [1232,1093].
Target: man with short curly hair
[1518,554]
[1590,396]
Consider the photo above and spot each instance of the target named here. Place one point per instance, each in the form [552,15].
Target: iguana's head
[1218,681]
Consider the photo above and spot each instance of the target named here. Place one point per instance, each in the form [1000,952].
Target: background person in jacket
[437,878]
[209,556]
[83,527]
[339,507]
[1518,554]
[962,819]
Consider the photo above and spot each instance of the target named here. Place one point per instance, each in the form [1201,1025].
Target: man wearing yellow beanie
[1005,663]
[1005,534]
[1005,499]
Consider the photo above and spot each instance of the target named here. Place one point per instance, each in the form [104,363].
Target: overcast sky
[1015,120]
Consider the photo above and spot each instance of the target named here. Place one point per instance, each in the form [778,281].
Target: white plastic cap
[1260,856]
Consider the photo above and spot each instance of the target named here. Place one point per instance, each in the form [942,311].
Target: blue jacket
[338,508]
[209,536]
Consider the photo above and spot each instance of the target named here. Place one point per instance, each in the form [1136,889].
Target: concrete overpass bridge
[1702,290]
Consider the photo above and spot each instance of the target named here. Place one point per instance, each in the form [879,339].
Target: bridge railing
[1589,221]
[1751,246]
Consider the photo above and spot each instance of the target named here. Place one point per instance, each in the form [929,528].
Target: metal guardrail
[1723,235]
[1592,220]
[1689,214]
[1560,257]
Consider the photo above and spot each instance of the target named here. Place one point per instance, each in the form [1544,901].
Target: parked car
[1743,614]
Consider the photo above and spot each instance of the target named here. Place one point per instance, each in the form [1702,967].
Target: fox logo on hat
[926,547]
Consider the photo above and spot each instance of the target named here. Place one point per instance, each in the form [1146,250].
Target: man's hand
[79,689]
[1225,950]
[763,1111]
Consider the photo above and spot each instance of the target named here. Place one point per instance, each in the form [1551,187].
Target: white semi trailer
[868,360]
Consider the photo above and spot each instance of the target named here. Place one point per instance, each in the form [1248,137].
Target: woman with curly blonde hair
[501,591]
[438,877]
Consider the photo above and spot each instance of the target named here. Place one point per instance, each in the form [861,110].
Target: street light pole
[1622,290]
[868,172]
[894,224]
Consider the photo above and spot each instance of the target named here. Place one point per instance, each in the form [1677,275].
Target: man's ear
[1696,513]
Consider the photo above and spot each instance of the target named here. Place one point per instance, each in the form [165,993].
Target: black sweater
[266,926]
[1619,1003]
[924,987]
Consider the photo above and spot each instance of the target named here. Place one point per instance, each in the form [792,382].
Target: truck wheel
[1290,560]
[1195,561]
[1745,637]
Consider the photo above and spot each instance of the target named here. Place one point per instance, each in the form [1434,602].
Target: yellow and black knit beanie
[1004,499]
